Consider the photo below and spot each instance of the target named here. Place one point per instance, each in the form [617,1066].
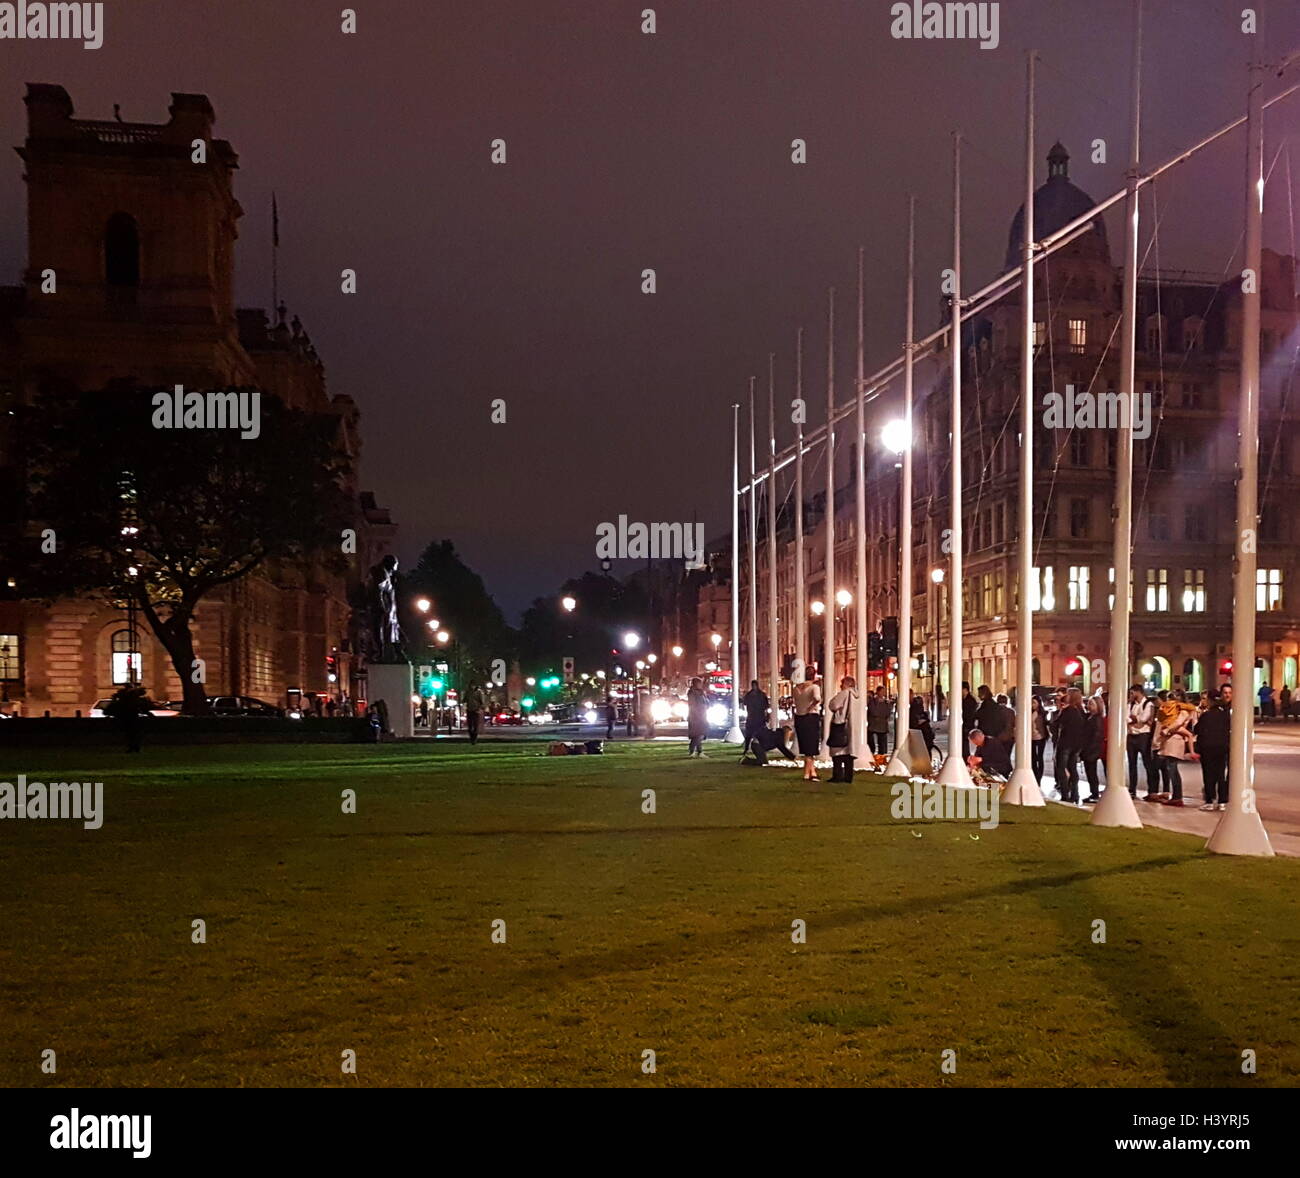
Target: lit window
[125,659]
[1268,589]
[8,656]
[1042,594]
[1157,590]
[1078,334]
[1194,591]
[1079,576]
[1040,334]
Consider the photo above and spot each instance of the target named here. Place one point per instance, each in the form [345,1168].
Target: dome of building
[1056,204]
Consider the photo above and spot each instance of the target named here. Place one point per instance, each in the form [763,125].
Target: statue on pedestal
[388,644]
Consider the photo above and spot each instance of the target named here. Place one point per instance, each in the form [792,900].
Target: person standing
[988,717]
[1141,727]
[1094,743]
[474,705]
[1284,701]
[1213,729]
[968,709]
[611,717]
[1071,732]
[697,718]
[1173,744]
[1267,709]
[878,713]
[842,740]
[756,708]
[1038,736]
[808,725]
[129,706]
[1007,732]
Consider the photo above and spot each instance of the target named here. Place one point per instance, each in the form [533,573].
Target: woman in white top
[808,725]
[842,739]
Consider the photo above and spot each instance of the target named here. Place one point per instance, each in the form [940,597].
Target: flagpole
[828,613]
[859,718]
[753,545]
[275,260]
[800,598]
[953,771]
[733,733]
[1022,788]
[1240,831]
[1116,807]
[900,764]
[773,657]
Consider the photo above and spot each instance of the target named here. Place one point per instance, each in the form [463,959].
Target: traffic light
[437,684]
[331,669]
[1225,667]
[889,636]
[1074,668]
[875,652]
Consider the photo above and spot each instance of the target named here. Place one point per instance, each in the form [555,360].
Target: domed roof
[1056,204]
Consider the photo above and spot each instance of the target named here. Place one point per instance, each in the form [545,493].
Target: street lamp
[434,625]
[569,603]
[423,605]
[677,652]
[936,575]
[843,598]
[443,637]
[631,640]
[818,608]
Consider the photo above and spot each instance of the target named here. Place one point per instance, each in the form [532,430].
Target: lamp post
[936,575]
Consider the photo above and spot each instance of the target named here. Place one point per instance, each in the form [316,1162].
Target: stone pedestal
[394,683]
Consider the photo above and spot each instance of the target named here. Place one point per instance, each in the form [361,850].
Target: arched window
[122,252]
[126,659]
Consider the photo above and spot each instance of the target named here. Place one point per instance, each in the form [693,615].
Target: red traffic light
[1074,667]
[1225,667]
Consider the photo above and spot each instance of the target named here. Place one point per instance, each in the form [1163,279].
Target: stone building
[141,241]
[1184,508]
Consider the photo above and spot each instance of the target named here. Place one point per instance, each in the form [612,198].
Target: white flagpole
[773,655]
[859,718]
[734,735]
[1240,831]
[828,614]
[953,771]
[800,597]
[900,763]
[1022,788]
[753,545]
[1116,807]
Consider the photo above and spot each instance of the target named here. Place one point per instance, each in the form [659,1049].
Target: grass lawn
[625,931]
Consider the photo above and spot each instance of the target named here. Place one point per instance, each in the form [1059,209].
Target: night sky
[628,151]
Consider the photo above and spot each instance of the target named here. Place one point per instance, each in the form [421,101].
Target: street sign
[568,668]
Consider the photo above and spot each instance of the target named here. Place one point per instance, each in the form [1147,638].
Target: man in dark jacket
[990,753]
[756,705]
[988,716]
[968,709]
[1212,732]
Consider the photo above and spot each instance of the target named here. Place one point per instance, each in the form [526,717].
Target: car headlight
[717,715]
[660,710]
[680,710]
[589,715]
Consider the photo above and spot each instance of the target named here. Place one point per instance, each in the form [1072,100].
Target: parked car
[160,708]
[509,718]
[241,705]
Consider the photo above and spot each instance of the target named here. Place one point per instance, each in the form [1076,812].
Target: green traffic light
[528,701]
[436,684]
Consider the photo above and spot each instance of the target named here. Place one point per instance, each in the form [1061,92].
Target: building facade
[130,276]
[1184,502]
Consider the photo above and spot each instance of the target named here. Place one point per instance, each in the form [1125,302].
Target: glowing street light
[818,608]
[677,652]
[631,640]
[843,598]
[569,603]
[716,639]
[531,681]
[895,436]
[652,659]
[936,575]
[423,605]
[443,637]
[434,624]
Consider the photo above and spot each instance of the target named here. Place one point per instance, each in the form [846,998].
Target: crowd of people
[1164,731]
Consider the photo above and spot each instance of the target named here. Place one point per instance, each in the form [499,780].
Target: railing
[125,133]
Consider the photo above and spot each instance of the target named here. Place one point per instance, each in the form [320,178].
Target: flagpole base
[1116,808]
[1022,789]
[1239,833]
[897,767]
[954,772]
[734,735]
